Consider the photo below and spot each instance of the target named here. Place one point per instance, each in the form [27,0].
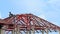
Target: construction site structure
[28,23]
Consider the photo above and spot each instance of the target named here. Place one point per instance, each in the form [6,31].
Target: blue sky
[46,9]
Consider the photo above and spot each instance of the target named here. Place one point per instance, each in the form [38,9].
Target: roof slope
[29,20]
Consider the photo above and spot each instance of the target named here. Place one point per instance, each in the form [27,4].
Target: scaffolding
[28,23]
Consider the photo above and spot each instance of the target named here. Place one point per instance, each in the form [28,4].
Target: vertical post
[2,31]
[46,31]
[33,31]
[33,27]
[18,30]
[13,32]
[42,31]
[27,32]
[59,31]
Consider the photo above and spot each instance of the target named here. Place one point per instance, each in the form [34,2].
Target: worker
[10,14]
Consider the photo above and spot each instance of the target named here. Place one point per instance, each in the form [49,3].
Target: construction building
[28,23]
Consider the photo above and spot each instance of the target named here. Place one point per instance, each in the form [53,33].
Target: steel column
[46,31]
[13,31]
[42,31]
[59,31]
[27,32]
[17,30]
[33,30]
[2,31]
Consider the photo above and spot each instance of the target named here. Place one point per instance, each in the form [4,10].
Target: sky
[46,9]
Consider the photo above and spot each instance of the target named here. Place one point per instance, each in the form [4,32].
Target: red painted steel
[26,21]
